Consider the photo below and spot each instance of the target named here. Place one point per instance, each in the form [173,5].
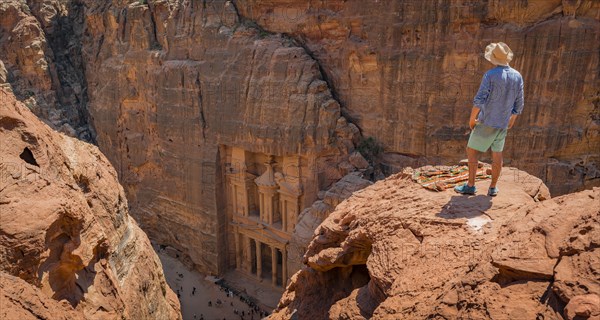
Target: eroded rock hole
[360,276]
[28,157]
[83,182]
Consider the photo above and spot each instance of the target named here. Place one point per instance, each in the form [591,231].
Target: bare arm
[473,119]
[517,107]
[511,122]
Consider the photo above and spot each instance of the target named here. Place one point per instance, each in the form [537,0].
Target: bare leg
[496,167]
[473,156]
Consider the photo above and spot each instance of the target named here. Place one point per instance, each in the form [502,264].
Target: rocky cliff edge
[68,247]
[396,250]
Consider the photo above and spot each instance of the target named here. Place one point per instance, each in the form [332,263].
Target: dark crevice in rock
[63,34]
[155,44]
[28,157]
[507,276]
[550,299]
[201,106]
[123,24]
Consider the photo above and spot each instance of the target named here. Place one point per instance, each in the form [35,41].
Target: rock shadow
[463,206]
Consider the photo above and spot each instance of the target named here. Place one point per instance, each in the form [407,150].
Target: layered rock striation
[397,250]
[68,246]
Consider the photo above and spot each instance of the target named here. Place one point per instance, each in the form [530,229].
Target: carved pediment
[289,186]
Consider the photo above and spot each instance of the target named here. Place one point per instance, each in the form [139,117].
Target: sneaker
[465,189]
[492,192]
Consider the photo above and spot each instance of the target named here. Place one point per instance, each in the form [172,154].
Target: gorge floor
[207,290]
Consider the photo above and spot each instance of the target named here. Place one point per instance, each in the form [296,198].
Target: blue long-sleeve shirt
[500,95]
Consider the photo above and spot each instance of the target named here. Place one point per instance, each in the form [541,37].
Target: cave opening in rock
[28,157]
[360,276]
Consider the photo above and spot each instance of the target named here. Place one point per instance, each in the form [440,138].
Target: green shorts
[483,137]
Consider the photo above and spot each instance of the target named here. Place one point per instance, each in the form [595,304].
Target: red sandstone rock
[583,307]
[66,230]
[397,250]
[21,300]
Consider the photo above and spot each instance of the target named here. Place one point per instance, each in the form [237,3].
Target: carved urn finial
[268,177]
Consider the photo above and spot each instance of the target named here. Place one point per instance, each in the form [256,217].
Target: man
[495,108]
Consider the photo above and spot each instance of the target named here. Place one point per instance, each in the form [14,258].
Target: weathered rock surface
[65,230]
[582,307]
[40,48]
[397,250]
[313,216]
[21,300]
[406,72]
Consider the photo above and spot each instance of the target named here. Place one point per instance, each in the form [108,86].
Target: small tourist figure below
[495,108]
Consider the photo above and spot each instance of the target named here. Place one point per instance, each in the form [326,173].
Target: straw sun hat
[498,53]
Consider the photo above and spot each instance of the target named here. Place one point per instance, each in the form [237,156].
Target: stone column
[234,196]
[290,190]
[274,265]
[261,205]
[271,203]
[238,260]
[284,214]
[258,260]
[247,254]
[284,275]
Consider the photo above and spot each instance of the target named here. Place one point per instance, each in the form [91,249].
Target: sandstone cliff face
[405,72]
[174,85]
[66,230]
[40,50]
[396,250]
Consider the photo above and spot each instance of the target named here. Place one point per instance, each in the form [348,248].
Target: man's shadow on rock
[462,206]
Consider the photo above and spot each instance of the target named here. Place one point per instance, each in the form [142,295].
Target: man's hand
[472,123]
[473,119]
[511,122]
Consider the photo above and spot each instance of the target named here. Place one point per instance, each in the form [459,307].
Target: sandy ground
[182,280]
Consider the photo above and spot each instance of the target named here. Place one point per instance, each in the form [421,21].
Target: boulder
[357,160]
[583,307]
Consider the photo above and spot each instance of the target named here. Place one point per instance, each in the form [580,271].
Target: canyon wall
[187,99]
[406,72]
[68,246]
[395,250]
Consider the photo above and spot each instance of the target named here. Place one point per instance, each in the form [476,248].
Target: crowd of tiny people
[251,313]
